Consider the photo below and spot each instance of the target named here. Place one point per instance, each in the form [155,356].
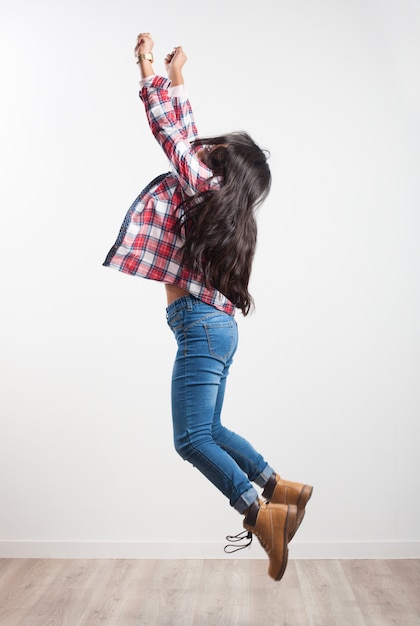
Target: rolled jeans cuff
[262,479]
[244,502]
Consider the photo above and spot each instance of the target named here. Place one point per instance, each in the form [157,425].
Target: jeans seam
[201,320]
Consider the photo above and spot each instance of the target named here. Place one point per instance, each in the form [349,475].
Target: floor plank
[384,597]
[281,603]
[226,592]
[328,597]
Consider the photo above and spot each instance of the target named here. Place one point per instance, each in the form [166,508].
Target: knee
[188,446]
[183,447]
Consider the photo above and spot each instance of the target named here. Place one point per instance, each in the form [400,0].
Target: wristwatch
[148,56]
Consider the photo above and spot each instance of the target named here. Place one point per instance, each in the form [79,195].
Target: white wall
[326,379]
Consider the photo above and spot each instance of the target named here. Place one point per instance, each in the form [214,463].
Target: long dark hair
[219,225]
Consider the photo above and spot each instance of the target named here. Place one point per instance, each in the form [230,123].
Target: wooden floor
[36,592]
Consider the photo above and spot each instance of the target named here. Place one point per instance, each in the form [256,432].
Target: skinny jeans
[207,340]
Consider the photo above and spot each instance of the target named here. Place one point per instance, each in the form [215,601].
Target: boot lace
[245,535]
[264,544]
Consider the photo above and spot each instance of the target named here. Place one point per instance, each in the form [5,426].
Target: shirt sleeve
[172,124]
[185,116]
[178,91]
[143,81]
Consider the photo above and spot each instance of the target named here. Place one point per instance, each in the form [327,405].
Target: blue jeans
[207,340]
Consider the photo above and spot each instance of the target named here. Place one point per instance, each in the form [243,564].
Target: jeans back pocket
[222,337]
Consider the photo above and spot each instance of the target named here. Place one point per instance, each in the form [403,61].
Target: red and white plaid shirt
[148,244]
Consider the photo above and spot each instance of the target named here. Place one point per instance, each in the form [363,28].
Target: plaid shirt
[148,244]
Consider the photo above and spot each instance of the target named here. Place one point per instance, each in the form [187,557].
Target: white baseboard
[123,550]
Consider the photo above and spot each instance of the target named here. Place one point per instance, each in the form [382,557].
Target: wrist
[144,61]
[144,56]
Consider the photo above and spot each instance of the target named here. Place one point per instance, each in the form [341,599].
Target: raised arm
[144,54]
[174,62]
[170,115]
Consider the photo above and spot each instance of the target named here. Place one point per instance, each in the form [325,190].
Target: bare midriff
[173,292]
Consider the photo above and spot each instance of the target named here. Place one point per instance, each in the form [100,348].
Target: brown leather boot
[279,491]
[271,524]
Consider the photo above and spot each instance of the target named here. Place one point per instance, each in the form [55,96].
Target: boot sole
[303,499]
[305,494]
[290,522]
